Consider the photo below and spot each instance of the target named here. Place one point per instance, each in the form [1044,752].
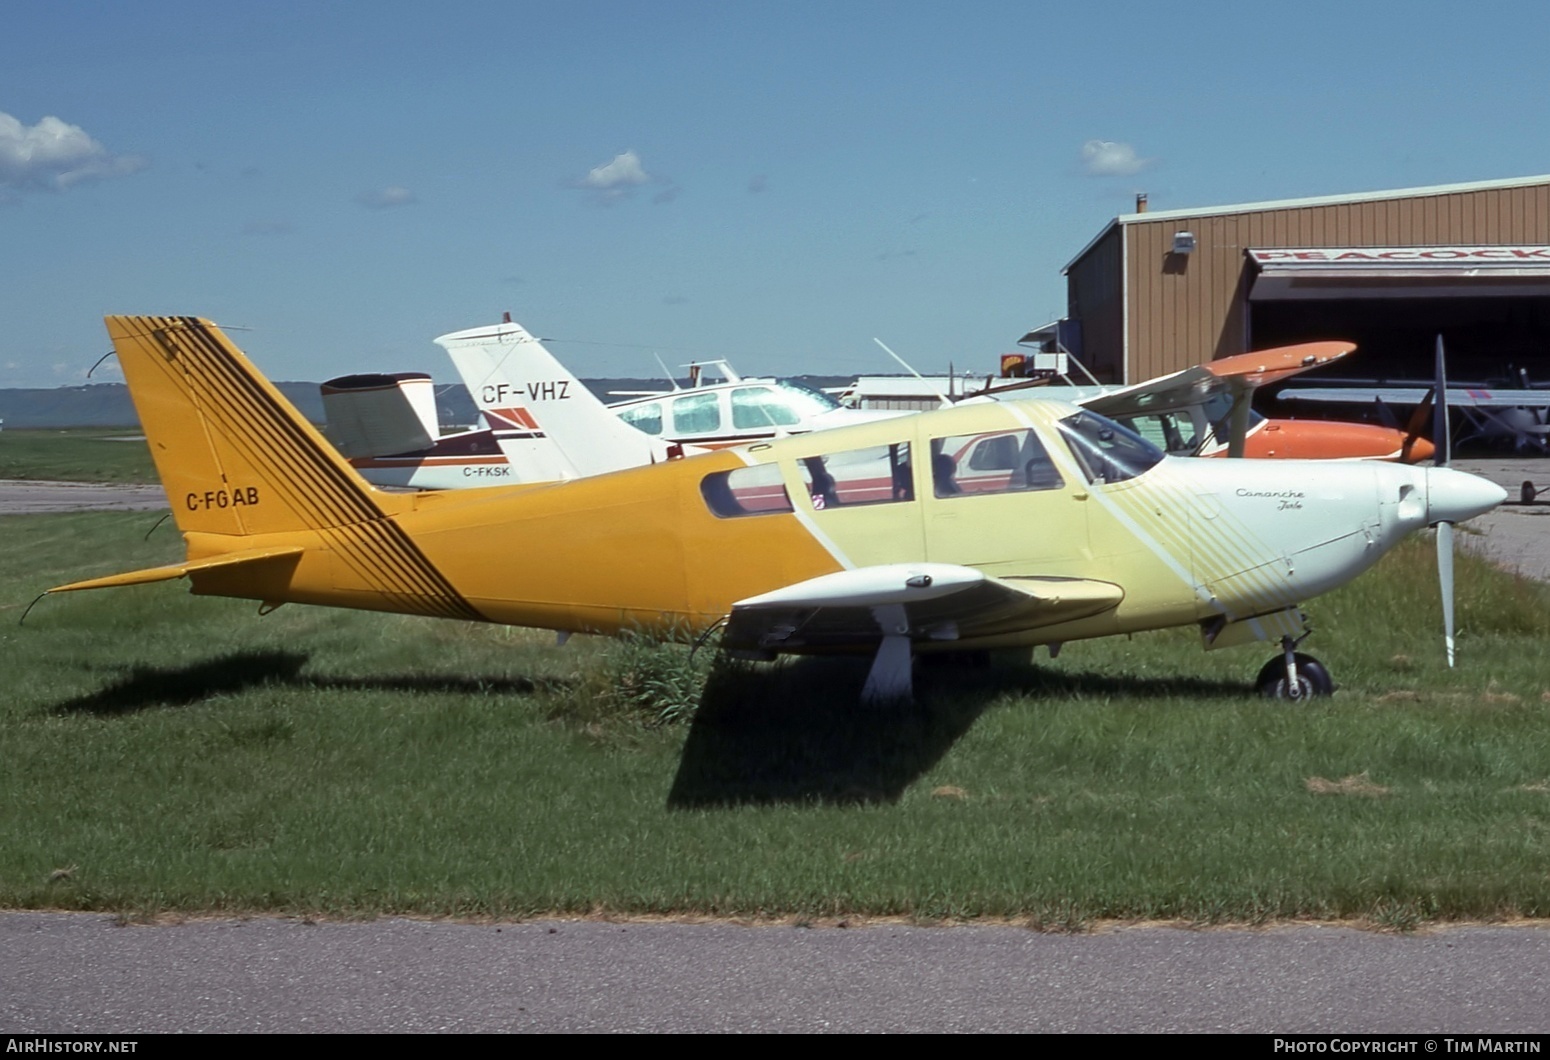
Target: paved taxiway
[19,497]
[65,973]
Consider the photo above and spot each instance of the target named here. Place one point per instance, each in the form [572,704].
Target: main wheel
[1312,679]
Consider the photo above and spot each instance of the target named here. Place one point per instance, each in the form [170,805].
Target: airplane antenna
[671,381]
[94,367]
[946,402]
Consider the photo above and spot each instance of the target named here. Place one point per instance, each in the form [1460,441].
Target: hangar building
[1157,291]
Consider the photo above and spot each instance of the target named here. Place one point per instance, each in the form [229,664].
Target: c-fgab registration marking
[236,497]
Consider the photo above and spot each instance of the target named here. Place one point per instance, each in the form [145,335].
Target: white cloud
[622,173]
[1105,158]
[384,198]
[54,155]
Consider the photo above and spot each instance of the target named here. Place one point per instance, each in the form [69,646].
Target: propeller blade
[1417,421]
[1386,415]
[1441,438]
[1445,577]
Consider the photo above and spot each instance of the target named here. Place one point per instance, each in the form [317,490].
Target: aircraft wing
[1234,375]
[1460,397]
[925,601]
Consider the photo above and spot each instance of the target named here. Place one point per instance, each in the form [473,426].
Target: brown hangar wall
[1178,310]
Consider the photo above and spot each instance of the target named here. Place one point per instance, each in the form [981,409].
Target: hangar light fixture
[1183,242]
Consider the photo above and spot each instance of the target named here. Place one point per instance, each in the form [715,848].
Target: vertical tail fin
[235,457]
[523,390]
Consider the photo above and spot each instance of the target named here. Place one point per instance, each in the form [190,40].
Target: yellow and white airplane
[980,526]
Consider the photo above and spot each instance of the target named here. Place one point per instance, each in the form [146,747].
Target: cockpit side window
[646,418]
[756,490]
[754,407]
[1106,451]
[964,465]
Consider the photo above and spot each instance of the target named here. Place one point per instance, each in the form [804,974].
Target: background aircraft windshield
[805,399]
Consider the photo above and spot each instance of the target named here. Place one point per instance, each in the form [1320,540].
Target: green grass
[163,752]
[94,454]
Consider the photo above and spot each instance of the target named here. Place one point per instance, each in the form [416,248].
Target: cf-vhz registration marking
[556,390]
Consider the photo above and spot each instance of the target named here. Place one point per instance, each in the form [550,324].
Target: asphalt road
[1515,536]
[85,974]
[20,497]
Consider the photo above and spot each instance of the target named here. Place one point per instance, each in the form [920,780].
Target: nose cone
[1453,496]
[1418,451]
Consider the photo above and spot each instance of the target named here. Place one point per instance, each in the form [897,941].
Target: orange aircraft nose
[1419,450]
[1333,440]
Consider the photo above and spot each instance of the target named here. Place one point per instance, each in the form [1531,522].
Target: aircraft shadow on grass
[797,735]
[148,687]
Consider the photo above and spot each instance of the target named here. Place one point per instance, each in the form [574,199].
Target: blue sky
[774,183]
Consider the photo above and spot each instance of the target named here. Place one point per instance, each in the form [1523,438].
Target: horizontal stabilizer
[183,570]
[923,601]
[381,415]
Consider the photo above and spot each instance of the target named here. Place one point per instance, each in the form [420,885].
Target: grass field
[170,753]
[85,454]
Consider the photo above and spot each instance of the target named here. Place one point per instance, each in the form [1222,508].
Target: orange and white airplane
[1205,411]
[857,540]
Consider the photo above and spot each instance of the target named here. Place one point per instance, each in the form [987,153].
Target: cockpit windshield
[1106,451]
[805,399]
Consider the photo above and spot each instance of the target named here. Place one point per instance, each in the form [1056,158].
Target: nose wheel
[1293,677]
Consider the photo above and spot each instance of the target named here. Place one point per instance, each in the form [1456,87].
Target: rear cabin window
[696,414]
[963,465]
[879,474]
[756,490]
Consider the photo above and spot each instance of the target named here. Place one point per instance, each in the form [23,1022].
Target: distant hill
[108,404]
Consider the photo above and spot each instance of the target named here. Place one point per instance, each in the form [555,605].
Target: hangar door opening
[1490,304]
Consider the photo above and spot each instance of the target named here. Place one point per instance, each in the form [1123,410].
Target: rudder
[235,457]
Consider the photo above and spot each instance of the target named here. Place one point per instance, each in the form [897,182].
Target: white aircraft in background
[1517,417]
[546,426]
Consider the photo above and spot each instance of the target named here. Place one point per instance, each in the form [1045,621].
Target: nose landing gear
[1292,676]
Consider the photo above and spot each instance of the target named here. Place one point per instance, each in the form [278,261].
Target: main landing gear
[1292,676]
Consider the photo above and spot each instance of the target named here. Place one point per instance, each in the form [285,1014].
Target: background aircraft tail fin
[518,384]
[235,457]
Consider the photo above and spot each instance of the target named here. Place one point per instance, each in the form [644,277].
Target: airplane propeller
[1442,440]
[1413,428]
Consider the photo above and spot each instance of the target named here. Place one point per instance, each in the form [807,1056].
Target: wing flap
[925,601]
[184,569]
